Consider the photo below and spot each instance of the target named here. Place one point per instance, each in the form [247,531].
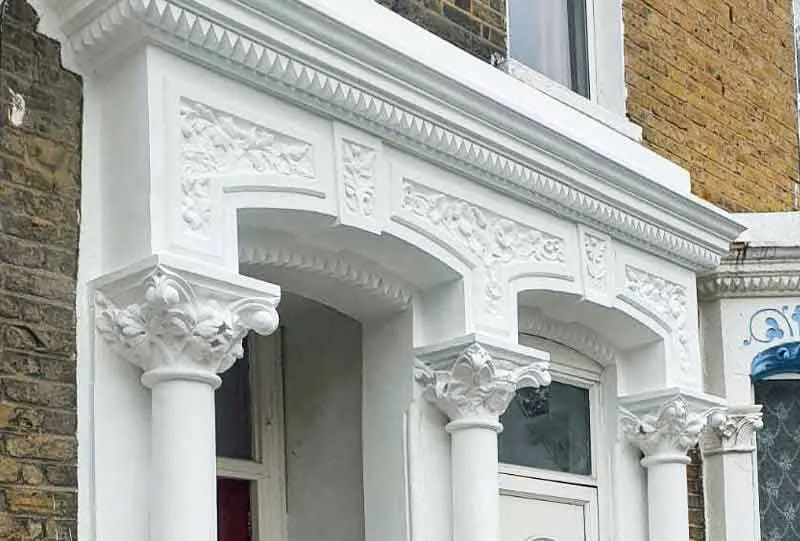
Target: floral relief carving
[733,430]
[491,238]
[475,386]
[358,178]
[217,143]
[172,327]
[595,250]
[668,300]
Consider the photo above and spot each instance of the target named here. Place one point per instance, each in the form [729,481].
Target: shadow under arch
[357,273]
[619,335]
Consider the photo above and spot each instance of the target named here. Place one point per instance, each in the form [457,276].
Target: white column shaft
[668,501]
[184,462]
[476,509]
[733,505]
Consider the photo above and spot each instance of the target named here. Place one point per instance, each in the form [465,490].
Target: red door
[233,510]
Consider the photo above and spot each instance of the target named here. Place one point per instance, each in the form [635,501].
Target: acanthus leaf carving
[476,386]
[490,238]
[668,301]
[595,250]
[172,327]
[358,177]
[732,430]
[667,434]
[216,143]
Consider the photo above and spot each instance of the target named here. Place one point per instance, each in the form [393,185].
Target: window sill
[534,79]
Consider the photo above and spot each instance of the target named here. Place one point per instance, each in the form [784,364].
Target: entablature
[423,96]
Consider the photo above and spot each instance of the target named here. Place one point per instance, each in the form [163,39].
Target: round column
[474,472]
[182,335]
[473,388]
[665,439]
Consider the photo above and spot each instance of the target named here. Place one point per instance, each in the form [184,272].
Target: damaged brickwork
[39,203]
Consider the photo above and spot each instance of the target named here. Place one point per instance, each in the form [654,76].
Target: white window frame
[267,473]
[607,91]
[572,368]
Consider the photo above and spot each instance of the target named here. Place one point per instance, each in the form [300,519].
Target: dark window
[779,459]
[234,412]
[548,428]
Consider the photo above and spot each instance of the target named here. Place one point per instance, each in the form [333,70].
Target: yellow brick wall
[712,84]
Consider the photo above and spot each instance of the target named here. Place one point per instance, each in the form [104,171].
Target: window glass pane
[550,37]
[233,510]
[779,459]
[234,412]
[548,428]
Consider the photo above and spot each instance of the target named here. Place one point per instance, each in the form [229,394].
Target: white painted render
[236,147]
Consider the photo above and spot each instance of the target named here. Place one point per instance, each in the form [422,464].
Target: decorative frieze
[492,240]
[732,430]
[221,41]
[476,382]
[216,143]
[165,324]
[665,435]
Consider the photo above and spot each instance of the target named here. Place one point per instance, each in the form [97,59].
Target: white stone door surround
[308,145]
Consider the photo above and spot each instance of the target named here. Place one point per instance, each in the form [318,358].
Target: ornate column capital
[473,379]
[732,430]
[664,429]
[177,321]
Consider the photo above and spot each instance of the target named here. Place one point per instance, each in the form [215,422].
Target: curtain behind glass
[550,37]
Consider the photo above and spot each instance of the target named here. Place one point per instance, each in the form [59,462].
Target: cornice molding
[172,326]
[572,335]
[744,283]
[696,240]
[473,381]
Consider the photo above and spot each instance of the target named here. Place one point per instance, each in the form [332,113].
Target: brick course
[712,83]
[697,508]
[476,26]
[39,203]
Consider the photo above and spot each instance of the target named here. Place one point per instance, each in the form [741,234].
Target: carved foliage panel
[215,145]
[490,240]
[669,303]
[597,263]
[362,179]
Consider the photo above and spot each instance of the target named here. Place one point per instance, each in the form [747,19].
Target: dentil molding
[732,430]
[473,379]
[346,270]
[573,335]
[696,242]
[169,321]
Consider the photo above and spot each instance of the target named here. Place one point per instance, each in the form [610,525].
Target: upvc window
[550,37]
[551,453]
